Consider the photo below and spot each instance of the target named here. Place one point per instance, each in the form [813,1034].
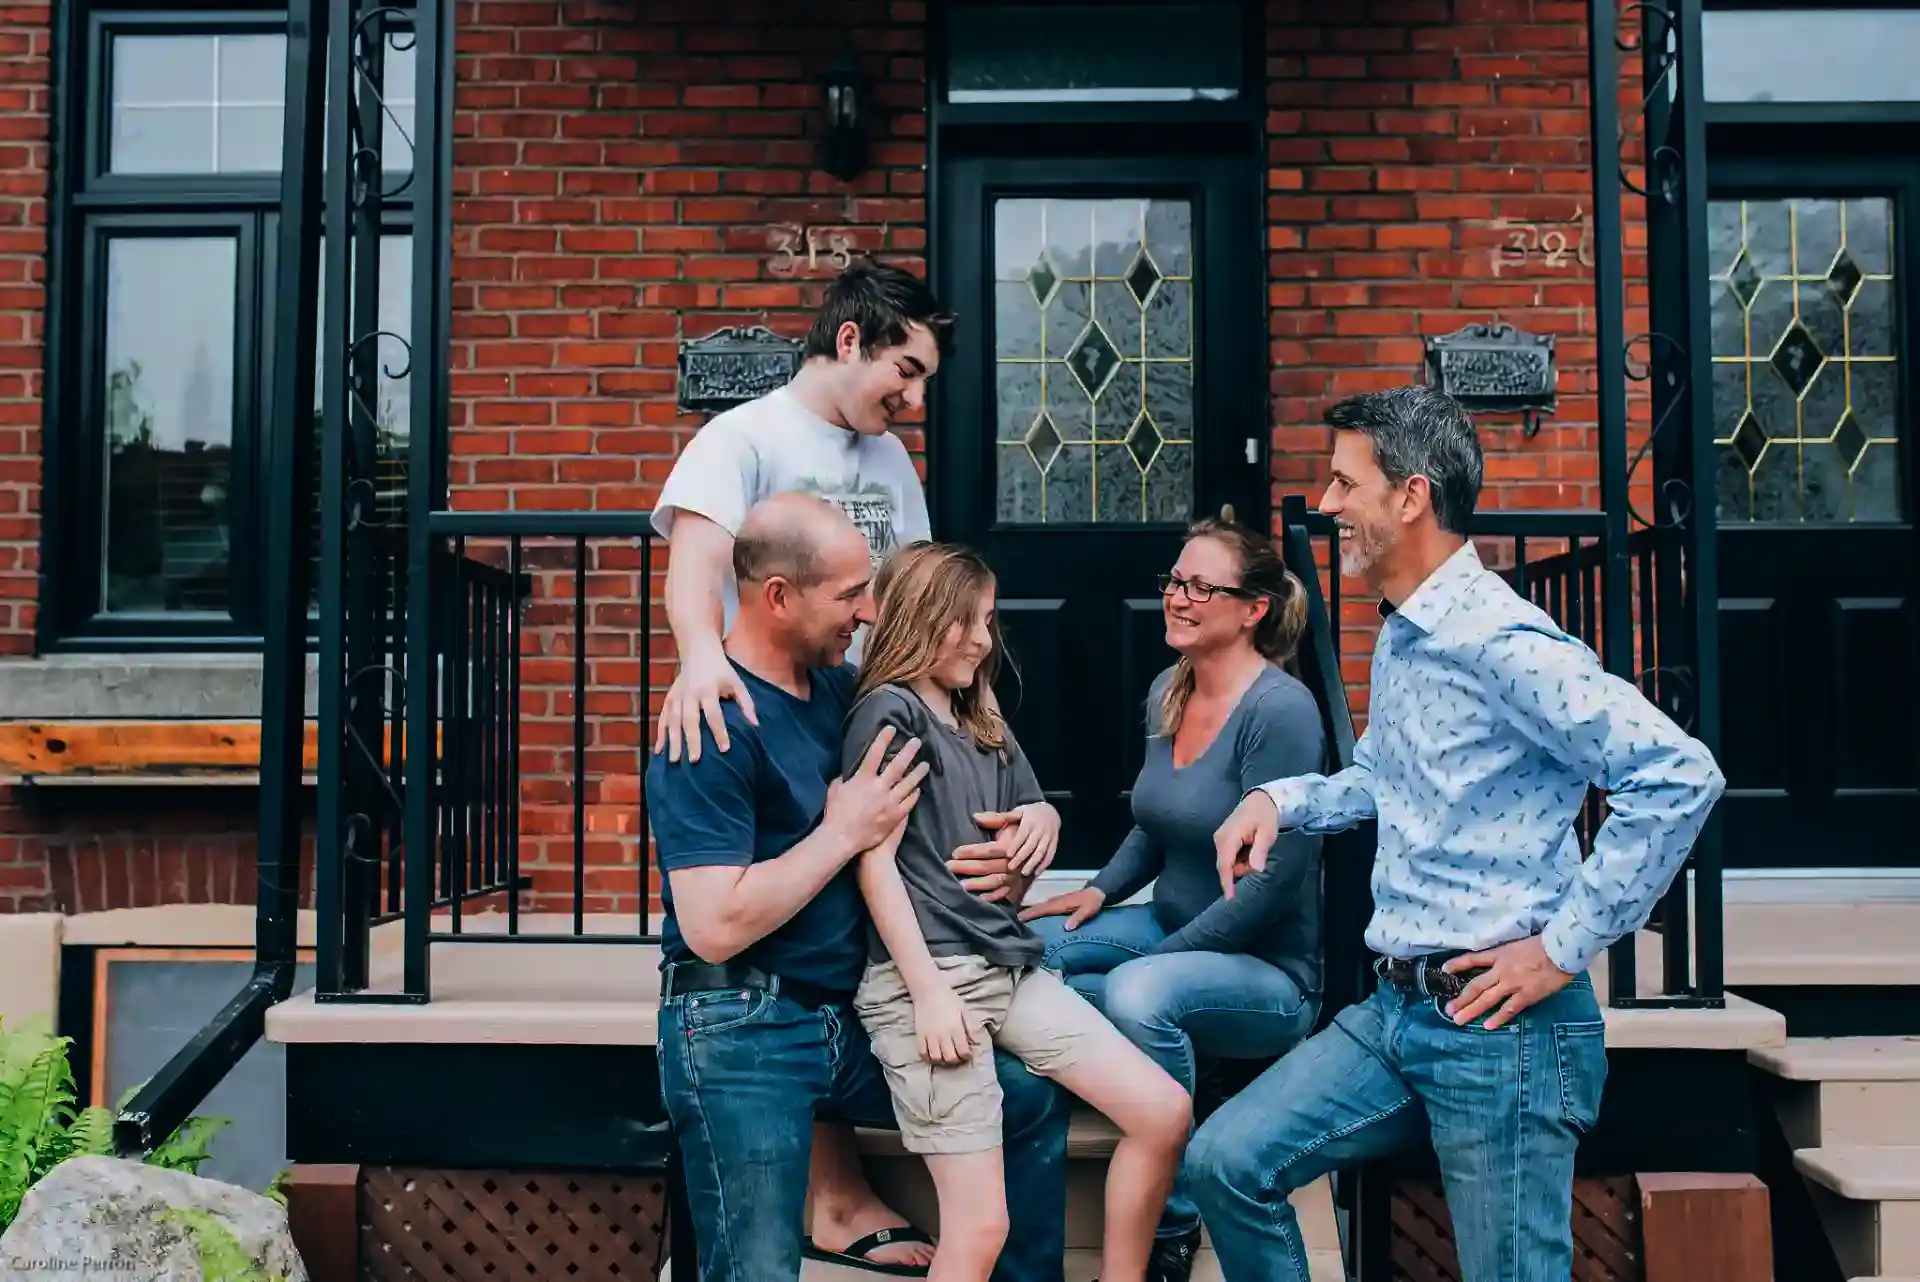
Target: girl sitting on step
[951,975]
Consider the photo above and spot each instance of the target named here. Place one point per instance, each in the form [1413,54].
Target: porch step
[1868,1197]
[1840,1091]
[1084,1266]
[902,1180]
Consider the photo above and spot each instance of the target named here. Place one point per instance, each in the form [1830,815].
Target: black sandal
[855,1256]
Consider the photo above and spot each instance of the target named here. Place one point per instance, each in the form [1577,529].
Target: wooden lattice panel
[1606,1232]
[491,1226]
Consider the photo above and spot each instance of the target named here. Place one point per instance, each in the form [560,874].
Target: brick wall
[24,111]
[626,179]
[1428,169]
[89,849]
[623,177]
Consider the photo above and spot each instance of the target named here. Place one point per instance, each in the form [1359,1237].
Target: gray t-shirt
[774,444]
[963,779]
[1274,732]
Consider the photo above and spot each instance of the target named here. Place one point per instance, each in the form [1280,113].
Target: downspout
[171,1095]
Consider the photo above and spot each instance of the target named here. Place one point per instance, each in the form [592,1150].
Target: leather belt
[681,978]
[1422,975]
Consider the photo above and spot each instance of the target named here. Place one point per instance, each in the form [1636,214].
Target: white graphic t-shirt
[775,444]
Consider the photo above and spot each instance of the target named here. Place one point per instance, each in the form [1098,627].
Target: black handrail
[498,588]
[170,1095]
[1347,857]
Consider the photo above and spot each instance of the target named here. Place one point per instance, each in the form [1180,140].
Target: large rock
[108,1220]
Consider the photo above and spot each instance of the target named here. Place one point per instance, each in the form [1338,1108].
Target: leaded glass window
[1094,358]
[1805,397]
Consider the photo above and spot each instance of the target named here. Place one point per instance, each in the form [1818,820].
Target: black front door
[1108,388]
[1815,263]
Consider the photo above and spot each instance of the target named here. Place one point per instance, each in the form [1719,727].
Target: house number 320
[792,242]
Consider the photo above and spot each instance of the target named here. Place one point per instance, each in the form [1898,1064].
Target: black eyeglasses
[1199,591]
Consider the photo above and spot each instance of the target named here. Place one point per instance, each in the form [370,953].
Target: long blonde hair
[921,592]
[1262,572]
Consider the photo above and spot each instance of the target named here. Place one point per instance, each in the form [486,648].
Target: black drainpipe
[172,1094]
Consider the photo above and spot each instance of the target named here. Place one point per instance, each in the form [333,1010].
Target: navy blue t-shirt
[756,801]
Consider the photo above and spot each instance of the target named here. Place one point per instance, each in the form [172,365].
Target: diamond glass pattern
[1844,277]
[1111,334]
[1749,440]
[1850,440]
[1043,441]
[1744,280]
[1798,358]
[1093,360]
[1143,442]
[1812,426]
[1042,281]
[1142,278]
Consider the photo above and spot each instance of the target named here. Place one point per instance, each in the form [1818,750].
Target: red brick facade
[25,108]
[626,177]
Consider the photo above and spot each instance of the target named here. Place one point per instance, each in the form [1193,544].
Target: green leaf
[41,1128]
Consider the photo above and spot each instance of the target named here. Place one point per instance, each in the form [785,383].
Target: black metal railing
[532,789]
[334,68]
[1309,545]
[479,793]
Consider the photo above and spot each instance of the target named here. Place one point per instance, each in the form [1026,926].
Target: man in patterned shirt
[1487,725]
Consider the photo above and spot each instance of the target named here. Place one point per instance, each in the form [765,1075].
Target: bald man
[765,942]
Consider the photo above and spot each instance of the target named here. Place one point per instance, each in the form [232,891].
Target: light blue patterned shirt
[1486,724]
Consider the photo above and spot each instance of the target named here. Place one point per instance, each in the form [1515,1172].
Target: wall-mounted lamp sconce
[845,98]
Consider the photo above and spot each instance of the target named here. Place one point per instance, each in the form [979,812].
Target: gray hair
[1421,431]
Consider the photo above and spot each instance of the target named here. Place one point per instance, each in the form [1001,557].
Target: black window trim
[87,208]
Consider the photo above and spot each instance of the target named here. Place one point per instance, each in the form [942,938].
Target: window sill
[139,687]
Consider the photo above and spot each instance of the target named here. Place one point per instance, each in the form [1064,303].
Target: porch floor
[608,994]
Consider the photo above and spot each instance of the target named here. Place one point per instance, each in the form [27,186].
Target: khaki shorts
[1031,1014]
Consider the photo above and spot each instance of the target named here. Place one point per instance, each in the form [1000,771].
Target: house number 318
[834,248]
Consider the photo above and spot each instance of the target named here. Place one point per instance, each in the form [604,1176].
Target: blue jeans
[1176,1006]
[744,1074]
[1504,1111]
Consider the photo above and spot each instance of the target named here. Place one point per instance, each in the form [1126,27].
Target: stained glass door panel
[1106,389]
[1093,349]
[1810,302]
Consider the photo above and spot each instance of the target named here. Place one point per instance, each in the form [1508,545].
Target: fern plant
[40,1127]
[41,1124]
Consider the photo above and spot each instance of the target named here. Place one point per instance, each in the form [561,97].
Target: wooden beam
[30,749]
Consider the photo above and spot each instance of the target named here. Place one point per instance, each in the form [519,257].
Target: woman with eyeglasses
[1193,975]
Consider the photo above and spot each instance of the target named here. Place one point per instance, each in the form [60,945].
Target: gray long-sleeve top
[1274,732]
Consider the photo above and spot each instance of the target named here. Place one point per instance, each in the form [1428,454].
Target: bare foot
[836,1228]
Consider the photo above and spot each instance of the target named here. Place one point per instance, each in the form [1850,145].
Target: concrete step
[1851,1059]
[902,1180]
[1084,1266]
[1868,1197]
[1835,1092]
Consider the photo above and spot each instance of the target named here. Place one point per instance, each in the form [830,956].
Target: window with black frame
[159,393]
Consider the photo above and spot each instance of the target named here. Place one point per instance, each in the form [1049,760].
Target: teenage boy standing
[875,343]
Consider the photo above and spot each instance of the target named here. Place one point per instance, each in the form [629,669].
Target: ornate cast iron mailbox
[1496,368]
[733,365]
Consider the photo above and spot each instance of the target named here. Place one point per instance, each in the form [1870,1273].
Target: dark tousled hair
[883,300]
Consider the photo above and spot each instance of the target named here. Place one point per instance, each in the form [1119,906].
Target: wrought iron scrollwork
[401,38]
[1663,162]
